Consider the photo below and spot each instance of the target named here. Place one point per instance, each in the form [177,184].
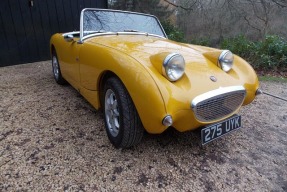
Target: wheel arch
[105,75]
[151,118]
[55,41]
[52,49]
[134,75]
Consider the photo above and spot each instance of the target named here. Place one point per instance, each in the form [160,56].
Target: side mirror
[69,38]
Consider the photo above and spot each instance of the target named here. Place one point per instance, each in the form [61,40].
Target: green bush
[271,53]
[268,54]
[173,32]
[239,45]
[201,41]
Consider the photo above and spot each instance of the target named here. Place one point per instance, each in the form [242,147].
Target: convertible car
[123,63]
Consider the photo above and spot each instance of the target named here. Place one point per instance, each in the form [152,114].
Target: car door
[69,52]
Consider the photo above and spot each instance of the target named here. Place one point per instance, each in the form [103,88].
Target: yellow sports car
[123,63]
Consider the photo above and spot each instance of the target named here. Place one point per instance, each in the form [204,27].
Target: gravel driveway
[51,139]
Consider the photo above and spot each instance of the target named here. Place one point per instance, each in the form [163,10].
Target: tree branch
[179,6]
[279,3]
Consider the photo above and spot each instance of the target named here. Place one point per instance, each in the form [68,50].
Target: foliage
[268,54]
[272,53]
[239,45]
[173,32]
[201,41]
[272,78]
[217,19]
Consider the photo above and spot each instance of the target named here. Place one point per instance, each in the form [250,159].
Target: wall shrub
[172,31]
[267,54]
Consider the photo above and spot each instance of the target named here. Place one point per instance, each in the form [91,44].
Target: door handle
[31,3]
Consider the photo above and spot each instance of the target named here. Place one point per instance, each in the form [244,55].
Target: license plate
[217,130]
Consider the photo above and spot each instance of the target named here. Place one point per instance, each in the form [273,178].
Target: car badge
[212,78]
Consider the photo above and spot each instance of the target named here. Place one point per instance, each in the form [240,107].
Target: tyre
[123,125]
[56,69]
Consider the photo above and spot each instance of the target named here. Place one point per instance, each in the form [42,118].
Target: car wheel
[123,125]
[56,70]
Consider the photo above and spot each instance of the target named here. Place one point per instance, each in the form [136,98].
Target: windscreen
[100,21]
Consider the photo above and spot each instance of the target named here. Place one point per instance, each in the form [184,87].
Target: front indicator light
[167,121]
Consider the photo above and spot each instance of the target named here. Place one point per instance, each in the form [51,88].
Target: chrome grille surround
[218,104]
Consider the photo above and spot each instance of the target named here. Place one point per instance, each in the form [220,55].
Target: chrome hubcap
[55,67]
[112,113]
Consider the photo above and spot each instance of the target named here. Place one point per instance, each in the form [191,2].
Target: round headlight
[173,66]
[225,60]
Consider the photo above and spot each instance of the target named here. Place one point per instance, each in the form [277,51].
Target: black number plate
[217,130]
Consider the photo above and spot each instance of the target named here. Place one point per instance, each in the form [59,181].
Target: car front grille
[218,104]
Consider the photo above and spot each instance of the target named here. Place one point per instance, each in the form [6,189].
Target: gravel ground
[51,139]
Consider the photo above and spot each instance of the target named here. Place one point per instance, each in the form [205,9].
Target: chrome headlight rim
[167,63]
[223,63]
